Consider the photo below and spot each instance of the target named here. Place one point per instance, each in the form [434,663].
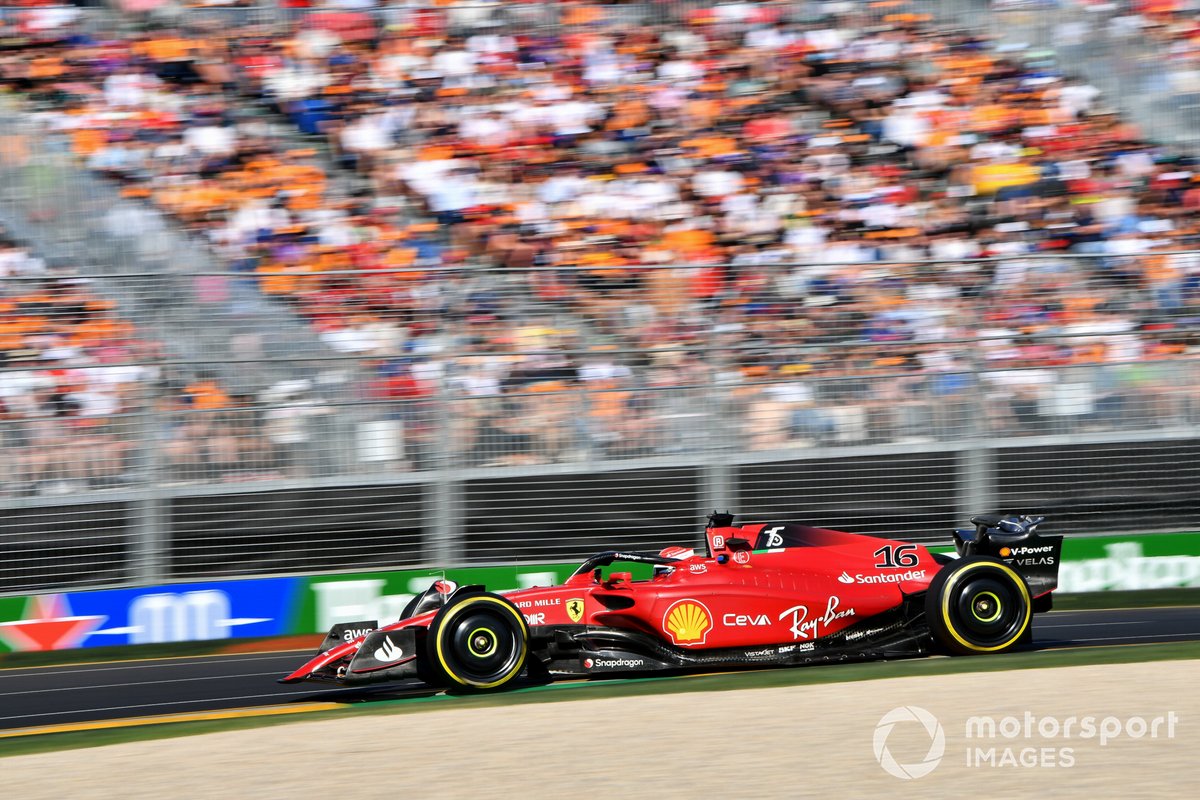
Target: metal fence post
[975,465]
[443,531]
[718,479]
[150,520]
[718,488]
[976,480]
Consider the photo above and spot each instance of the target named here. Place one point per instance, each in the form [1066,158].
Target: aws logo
[687,622]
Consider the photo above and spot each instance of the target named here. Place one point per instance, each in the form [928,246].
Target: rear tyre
[477,642]
[978,605]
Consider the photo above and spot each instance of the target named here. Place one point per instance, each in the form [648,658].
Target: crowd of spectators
[65,392]
[880,219]
[88,401]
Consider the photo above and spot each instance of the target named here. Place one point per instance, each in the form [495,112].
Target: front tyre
[978,605]
[478,641]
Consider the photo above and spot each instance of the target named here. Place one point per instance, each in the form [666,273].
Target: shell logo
[687,622]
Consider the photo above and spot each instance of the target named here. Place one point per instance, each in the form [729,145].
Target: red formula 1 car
[762,594]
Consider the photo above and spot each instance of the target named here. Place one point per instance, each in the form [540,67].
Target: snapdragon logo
[933,730]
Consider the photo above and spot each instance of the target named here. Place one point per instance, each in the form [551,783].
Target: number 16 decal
[896,556]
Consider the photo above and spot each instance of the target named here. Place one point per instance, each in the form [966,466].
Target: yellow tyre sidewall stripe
[524,644]
[947,590]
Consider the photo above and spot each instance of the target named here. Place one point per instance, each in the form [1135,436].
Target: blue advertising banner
[175,613]
[189,612]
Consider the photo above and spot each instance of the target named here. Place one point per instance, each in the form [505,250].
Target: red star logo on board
[48,625]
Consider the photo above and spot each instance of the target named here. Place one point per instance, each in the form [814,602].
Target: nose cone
[321,660]
[298,675]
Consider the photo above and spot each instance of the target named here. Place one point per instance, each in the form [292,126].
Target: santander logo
[883,577]
[388,652]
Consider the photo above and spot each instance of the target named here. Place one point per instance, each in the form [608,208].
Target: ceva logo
[844,578]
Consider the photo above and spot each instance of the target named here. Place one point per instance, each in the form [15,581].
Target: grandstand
[436,257]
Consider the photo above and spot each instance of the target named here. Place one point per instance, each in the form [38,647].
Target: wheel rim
[482,645]
[987,609]
[482,642]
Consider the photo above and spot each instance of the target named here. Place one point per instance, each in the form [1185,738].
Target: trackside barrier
[238,609]
[1116,563]
[259,607]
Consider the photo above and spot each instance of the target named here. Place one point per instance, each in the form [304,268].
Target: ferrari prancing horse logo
[575,609]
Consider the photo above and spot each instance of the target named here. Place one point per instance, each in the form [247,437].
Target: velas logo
[49,624]
[388,652]
[932,730]
[687,622]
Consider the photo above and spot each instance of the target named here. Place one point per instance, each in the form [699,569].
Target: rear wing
[1015,541]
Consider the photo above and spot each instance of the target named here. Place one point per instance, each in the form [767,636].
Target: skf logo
[687,622]
[575,609]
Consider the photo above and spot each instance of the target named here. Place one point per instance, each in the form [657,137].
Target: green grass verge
[633,687]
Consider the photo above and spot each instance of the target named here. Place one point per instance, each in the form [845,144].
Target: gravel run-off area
[800,741]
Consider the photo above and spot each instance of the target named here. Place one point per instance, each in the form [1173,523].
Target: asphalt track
[34,697]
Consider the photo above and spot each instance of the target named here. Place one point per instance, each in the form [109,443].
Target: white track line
[137,683]
[1041,626]
[1069,611]
[1123,638]
[27,672]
